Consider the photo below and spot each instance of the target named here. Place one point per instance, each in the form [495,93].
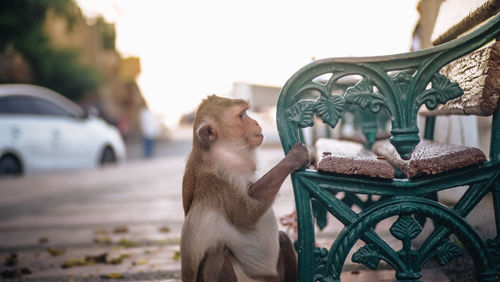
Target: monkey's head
[225,120]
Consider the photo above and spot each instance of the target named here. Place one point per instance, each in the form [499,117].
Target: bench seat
[430,158]
[350,158]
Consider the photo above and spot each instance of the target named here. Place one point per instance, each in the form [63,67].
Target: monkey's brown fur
[230,230]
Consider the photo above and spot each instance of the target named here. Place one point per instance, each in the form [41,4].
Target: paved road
[122,220]
[132,212]
[124,210]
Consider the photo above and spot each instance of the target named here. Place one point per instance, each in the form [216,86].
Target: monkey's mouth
[259,135]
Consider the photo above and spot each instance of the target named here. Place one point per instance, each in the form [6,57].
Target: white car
[41,130]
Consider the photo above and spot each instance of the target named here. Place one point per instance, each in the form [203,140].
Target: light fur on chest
[235,163]
[255,251]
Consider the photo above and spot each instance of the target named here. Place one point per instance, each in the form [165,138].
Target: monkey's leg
[216,267]
[287,261]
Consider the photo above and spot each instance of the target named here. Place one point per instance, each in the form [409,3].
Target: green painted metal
[400,85]
[429,128]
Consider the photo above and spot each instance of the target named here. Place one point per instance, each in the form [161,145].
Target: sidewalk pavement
[119,222]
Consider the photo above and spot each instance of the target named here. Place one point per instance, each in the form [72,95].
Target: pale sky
[190,49]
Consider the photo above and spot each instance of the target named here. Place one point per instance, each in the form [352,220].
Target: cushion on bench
[345,157]
[430,158]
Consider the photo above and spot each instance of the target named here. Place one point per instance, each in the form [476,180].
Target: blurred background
[114,58]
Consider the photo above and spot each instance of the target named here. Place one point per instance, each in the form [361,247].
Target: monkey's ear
[207,135]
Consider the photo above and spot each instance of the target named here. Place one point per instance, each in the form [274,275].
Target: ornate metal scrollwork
[362,95]
[447,251]
[408,262]
[327,107]
[405,228]
[442,91]
[320,263]
[402,100]
[302,113]
[367,255]
[396,92]
[494,248]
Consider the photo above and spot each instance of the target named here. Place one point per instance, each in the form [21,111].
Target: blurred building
[118,98]
[260,97]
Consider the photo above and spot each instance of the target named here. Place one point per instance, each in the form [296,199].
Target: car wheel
[10,165]
[108,156]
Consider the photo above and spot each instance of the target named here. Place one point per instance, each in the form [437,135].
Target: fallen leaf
[125,255]
[120,229]
[149,252]
[118,259]
[164,229]
[105,240]
[56,251]
[75,262]
[97,259]
[88,260]
[127,243]
[177,255]
[112,276]
[141,262]
[101,231]
[11,260]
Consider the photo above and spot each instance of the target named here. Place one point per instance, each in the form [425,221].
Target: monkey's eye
[241,115]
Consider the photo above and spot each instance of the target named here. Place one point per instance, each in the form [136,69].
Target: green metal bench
[399,84]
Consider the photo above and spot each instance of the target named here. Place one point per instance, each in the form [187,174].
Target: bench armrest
[399,84]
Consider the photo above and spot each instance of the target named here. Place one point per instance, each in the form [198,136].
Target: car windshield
[31,105]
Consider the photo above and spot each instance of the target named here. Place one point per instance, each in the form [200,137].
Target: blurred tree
[21,27]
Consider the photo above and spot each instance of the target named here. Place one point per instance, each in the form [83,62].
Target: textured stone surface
[479,76]
[430,158]
[344,157]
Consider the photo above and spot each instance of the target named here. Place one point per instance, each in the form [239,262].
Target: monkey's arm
[266,188]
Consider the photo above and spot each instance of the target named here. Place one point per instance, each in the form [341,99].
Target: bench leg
[305,243]
[494,244]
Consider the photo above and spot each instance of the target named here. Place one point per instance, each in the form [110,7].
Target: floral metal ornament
[400,85]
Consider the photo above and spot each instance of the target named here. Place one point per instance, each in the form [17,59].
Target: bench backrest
[478,74]
[399,84]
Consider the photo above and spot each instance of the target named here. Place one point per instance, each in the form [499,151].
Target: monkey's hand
[298,156]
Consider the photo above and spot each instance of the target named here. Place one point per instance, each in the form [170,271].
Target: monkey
[230,232]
